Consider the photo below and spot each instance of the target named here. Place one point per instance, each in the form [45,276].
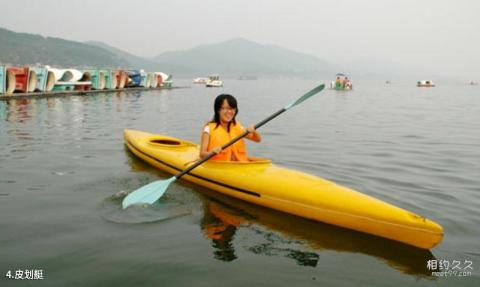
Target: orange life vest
[219,136]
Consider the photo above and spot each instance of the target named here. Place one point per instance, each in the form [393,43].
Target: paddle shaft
[212,154]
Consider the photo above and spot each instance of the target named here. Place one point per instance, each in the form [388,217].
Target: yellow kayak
[263,183]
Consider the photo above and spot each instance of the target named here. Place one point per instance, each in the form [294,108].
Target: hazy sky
[430,37]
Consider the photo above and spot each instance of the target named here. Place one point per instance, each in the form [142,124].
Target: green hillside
[144,63]
[29,49]
[233,58]
[134,61]
[243,57]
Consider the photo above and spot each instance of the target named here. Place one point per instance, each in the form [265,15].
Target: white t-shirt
[207,129]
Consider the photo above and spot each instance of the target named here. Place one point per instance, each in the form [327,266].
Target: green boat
[166,80]
[3,76]
[97,77]
[167,84]
[342,82]
[109,83]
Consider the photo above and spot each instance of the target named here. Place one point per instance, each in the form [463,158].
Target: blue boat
[134,78]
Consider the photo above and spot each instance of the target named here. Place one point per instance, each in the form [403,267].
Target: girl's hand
[217,150]
[251,129]
[253,135]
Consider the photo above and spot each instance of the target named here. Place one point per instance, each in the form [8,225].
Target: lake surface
[63,168]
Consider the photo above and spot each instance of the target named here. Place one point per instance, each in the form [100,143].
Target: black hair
[232,102]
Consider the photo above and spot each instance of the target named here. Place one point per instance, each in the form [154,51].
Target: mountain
[134,61]
[143,63]
[232,58]
[239,57]
[29,49]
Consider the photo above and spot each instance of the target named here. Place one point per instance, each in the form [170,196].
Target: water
[64,170]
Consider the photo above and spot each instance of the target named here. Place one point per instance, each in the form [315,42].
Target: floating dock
[37,95]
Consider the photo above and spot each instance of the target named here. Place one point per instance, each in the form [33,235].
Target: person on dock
[223,128]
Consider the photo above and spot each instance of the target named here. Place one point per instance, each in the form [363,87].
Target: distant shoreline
[37,95]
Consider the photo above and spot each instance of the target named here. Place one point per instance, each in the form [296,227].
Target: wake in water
[164,209]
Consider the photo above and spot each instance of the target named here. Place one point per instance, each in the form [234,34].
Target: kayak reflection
[223,216]
[220,227]
[220,224]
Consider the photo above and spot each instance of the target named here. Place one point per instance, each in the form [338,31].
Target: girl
[224,128]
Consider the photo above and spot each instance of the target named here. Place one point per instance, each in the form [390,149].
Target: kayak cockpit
[167,142]
[162,142]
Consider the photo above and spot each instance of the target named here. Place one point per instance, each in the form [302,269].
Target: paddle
[153,191]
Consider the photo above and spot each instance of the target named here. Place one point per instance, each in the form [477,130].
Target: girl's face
[226,112]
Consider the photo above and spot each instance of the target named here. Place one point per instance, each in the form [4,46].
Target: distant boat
[110,79]
[159,78]
[53,76]
[18,80]
[3,76]
[96,77]
[84,83]
[342,82]
[200,80]
[425,83]
[247,78]
[153,80]
[7,80]
[145,81]
[39,78]
[166,80]
[214,82]
[71,79]
[387,82]
[148,80]
[473,83]
[134,78]
[122,79]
